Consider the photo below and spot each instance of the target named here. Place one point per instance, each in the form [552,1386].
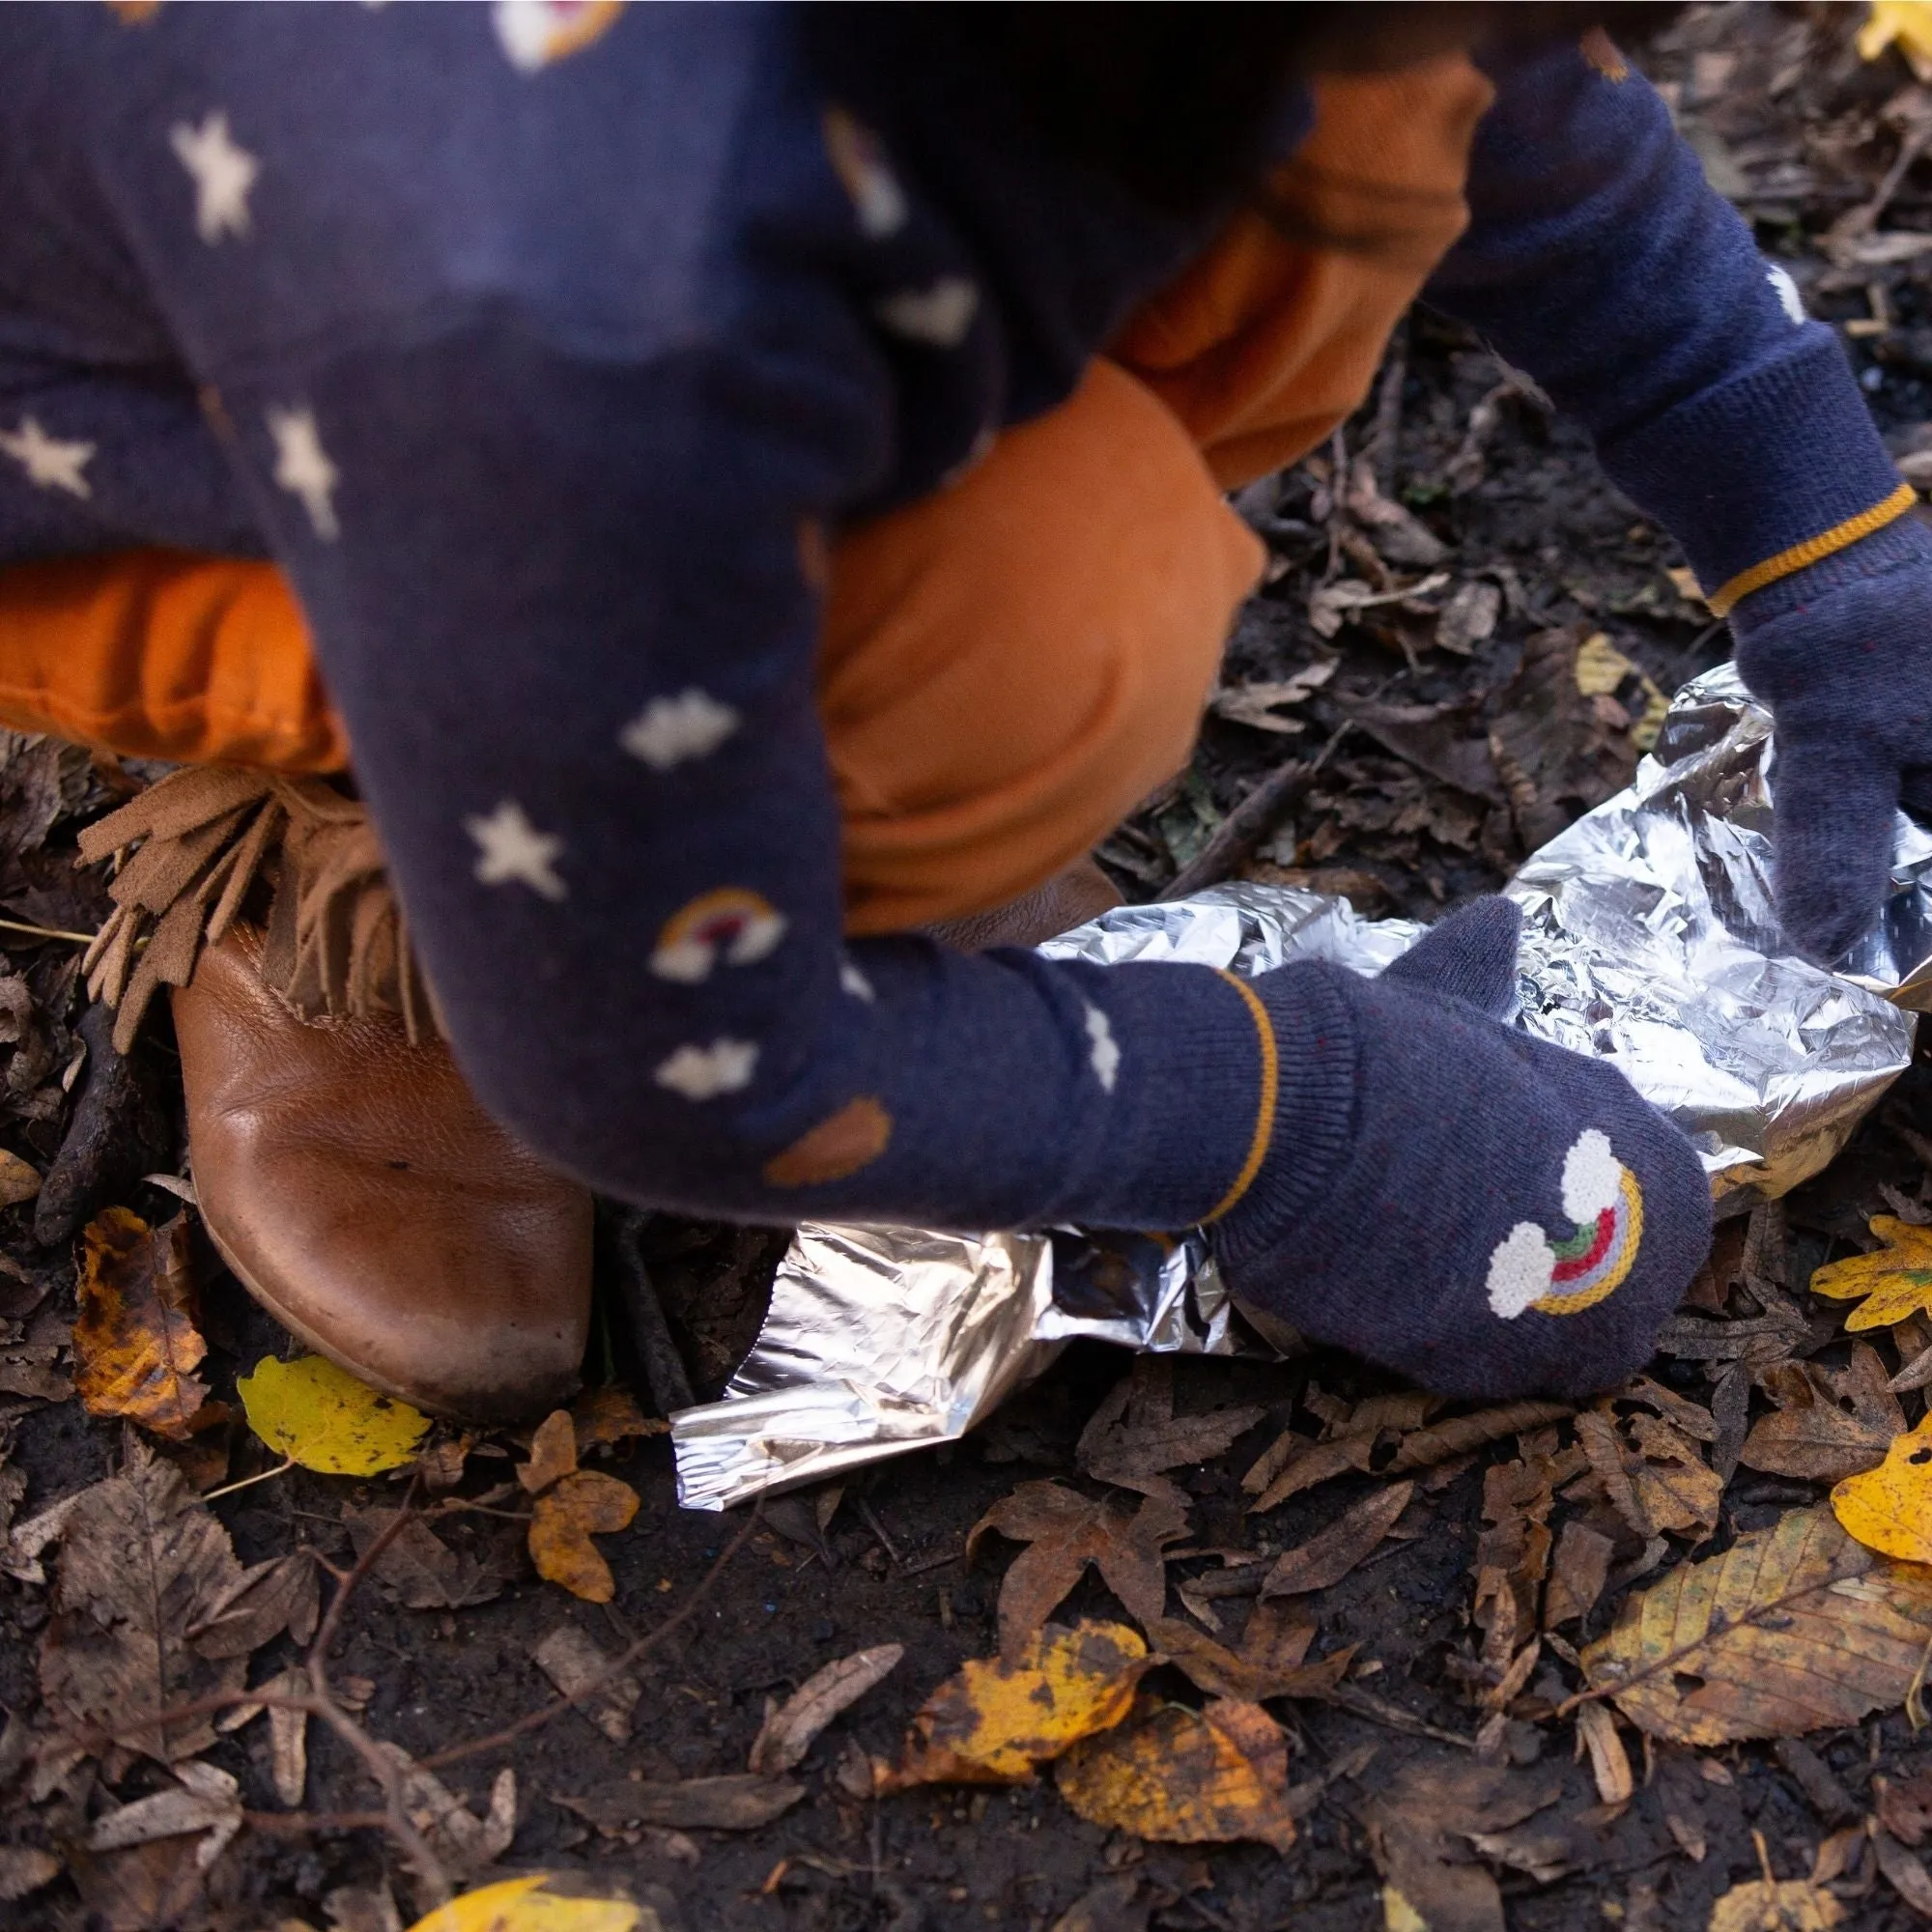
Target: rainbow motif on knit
[1531,1271]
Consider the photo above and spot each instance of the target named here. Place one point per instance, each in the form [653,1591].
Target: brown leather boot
[1069,898]
[353,1182]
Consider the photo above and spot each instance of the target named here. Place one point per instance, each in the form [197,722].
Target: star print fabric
[528,359]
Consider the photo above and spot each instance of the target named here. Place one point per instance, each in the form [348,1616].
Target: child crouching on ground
[749,488]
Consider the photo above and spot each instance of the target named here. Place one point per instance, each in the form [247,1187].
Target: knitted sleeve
[1599,261]
[581,701]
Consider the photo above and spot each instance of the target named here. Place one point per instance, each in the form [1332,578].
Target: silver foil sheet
[1648,940]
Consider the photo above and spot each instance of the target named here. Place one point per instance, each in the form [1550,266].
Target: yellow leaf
[530,1905]
[320,1416]
[134,1341]
[1897,1278]
[1685,583]
[1399,1914]
[612,1415]
[578,1506]
[1791,1629]
[1776,1905]
[997,1719]
[1187,1777]
[553,1452]
[1890,1508]
[1600,666]
[1907,22]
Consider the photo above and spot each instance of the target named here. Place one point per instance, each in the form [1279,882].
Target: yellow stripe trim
[1723,600]
[1270,1088]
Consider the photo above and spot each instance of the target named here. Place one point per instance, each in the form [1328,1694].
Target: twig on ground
[879,1530]
[1250,821]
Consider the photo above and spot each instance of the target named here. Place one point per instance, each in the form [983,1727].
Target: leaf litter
[1457,1654]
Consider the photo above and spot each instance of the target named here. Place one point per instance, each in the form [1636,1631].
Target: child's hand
[1490,1214]
[1842,654]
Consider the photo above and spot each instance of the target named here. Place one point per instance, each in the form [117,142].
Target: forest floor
[1443,1759]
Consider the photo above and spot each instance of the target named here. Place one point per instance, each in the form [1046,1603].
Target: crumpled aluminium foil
[1648,940]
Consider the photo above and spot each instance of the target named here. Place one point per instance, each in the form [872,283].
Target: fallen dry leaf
[142,1561]
[532,1905]
[1458,1434]
[1890,1508]
[1905,1807]
[789,1729]
[19,1179]
[565,1517]
[1185,1777]
[573,1662]
[1904,1872]
[418,1567]
[1133,1451]
[1577,1575]
[1066,1531]
[203,1802]
[1676,1489]
[287,1732]
[1327,1558]
[280,1594]
[740,1800]
[997,1718]
[24,1870]
[1792,1627]
[1609,1762]
[553,1452]
[1776,1905]
[320,1416]
[136,1345]
[1896,1280]
[1830,1424]
[1417,1827]
[1247,1675]
[610,1415]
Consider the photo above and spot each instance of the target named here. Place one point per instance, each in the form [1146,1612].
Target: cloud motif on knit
[668,730]
[1530,1271]
[704,1072]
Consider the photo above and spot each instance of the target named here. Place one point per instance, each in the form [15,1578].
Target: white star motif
[49,462]
[668,730]
[702,1073]
[1106,1054]
[855,982]
[1786,290]
[223,174]
[510,849]
[303,467]
[940,315]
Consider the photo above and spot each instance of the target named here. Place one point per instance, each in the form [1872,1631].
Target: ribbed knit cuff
[1903,544]
[1752,467]
[1310,1018]
[1185,1126]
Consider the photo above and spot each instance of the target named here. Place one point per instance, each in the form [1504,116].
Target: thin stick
[248,1482]
[1244,828]
[48,932]
[880,1531]
[544,1712]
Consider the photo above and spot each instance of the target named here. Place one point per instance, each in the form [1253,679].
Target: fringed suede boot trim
[192,846]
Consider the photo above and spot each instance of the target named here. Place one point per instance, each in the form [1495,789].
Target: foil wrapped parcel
[1648,940]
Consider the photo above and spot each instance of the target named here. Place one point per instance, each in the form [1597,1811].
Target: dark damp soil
[1799,132]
